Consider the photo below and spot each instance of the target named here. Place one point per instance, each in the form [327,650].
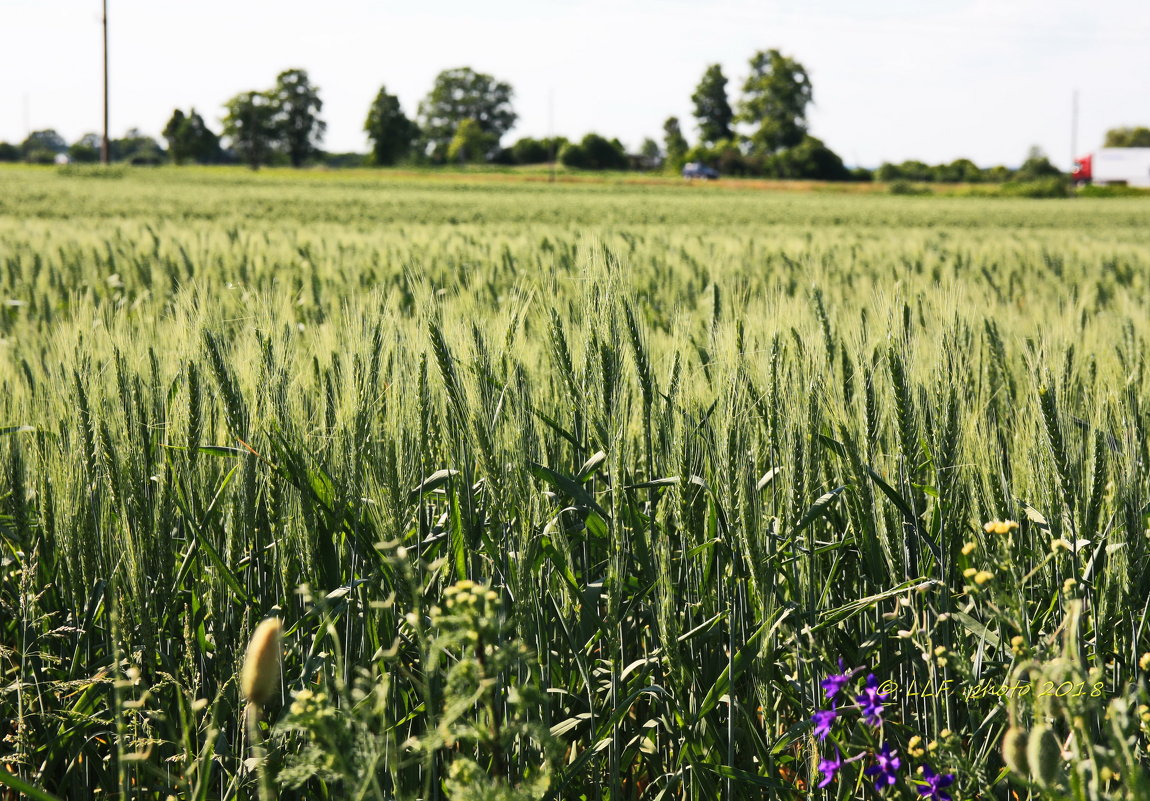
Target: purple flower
[885,769]
[934,784]
[870,702]
[823,720]
[829,767]
[836,681]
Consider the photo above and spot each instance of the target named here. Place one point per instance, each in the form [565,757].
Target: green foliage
[712,109]
[650,150]
[86,150]
[776,94]
[1128,137]
[250,124]
[42,147]
[574,156]
[471,144]
[190,139]
[1036,167]
[537,151]
[347,160]
[902,186]
[964,171]
[9,152]
[594,152]
[603,153]
[462,94]
[1050,187]
[809,159]
[674,144]
[137,148]
[296,106]
[390,131]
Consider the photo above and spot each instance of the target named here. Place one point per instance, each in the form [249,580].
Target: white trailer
[1128,166]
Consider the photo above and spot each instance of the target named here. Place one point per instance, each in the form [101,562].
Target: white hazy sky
[929,79]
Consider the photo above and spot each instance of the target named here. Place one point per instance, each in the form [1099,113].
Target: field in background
[701,445]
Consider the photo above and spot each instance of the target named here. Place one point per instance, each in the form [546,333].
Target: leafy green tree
[712,109]
[176,146]
[390,131]
[202,142]
[810,159]
[674,143]
[725,156]
[537,151]
[530,151]
[1036,167]
[250,125]
[462,94]
[42,147]
[775,99]
[603,153]
[9,152]
[573,155]
[190,138]
[471,143]
[297,107]
[1128,137]
[137,148]
[958,171]
[595,152]
[86,149]
[651,155]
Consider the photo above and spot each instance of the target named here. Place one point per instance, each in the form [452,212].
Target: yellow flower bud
[261,671]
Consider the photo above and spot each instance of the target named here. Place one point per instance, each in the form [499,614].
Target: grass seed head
[1044,755]
[1014,754]
[261,670]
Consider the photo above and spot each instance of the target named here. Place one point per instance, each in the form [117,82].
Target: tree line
[763,132]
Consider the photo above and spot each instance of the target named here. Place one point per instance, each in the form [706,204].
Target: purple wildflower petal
[870,701]
[934,784]
[885,769]
[829,767]
[823,719]
[836,681]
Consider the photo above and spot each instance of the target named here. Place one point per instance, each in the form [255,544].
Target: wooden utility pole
[1073,142]
[104,154]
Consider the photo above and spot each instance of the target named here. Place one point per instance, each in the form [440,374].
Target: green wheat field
[568,491]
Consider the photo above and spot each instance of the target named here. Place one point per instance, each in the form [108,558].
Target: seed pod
[1014,750]
[1044,755]
[261,671]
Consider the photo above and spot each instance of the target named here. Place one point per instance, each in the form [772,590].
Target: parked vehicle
[694,169]
[1127,166]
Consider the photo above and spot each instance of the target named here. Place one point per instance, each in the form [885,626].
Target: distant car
[694,169]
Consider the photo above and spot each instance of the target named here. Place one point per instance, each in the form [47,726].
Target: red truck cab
[1082,170]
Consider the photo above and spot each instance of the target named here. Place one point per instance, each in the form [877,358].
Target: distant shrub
[594,153]
[1053,187]
[902,187]
[339,160]
[530,151]
[1112,191]
[92,171]
[574,156]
